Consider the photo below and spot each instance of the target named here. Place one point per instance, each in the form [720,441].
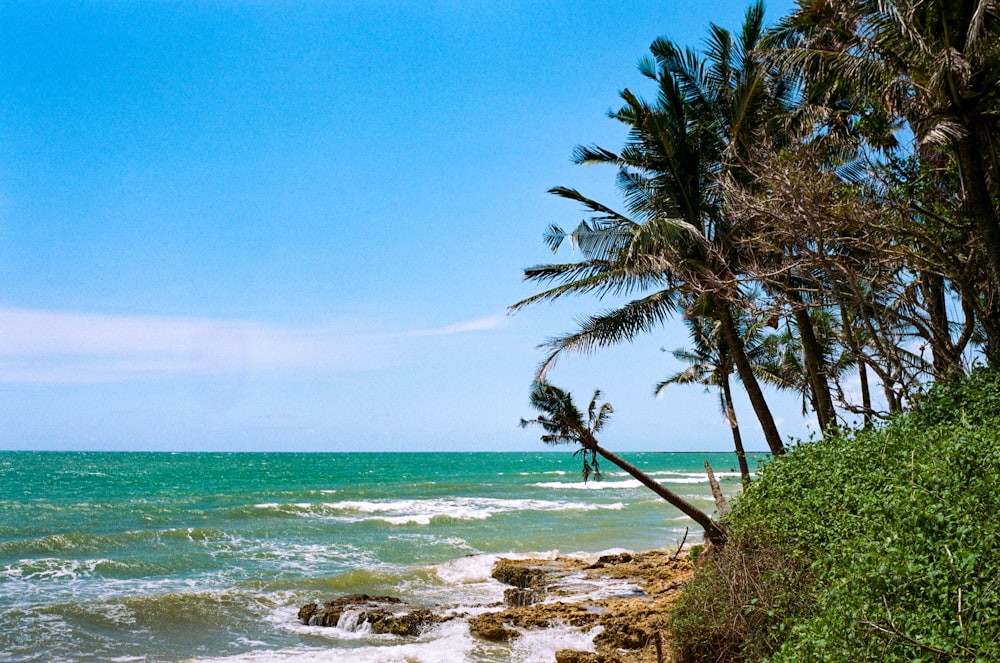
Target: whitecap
[424,512]
[588,485]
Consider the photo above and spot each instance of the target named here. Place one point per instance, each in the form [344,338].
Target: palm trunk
[749,380]
[734,426]
[855,348]
[970,160]
[943,351]
[812,358]
[713,530]
[866,396]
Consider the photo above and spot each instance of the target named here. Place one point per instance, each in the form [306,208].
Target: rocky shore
[627,596]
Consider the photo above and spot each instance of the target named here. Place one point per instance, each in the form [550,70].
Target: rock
[623,634]
[385,614]
[607,560]
[490,626]
[575,656]
[518,574]
[516,597]
[306,612]
[408,623]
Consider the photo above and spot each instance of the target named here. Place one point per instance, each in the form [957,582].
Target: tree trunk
[721,505]
[812,360]
[749,380]
[943,351]
[970,160]
[852,344]
[713,530]
[734,426]
[866,396]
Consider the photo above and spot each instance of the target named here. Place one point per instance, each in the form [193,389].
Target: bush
[884,545]
[734,608]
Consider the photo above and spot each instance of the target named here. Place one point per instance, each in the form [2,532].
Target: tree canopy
[830,183]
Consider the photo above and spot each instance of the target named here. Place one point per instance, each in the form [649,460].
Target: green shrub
[734,608]
[884,545]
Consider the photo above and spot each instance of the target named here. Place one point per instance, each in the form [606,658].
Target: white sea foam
[478,568]
[588,485]
[541,646]
[449,642]
[675,476]
[468,581]
[423,512]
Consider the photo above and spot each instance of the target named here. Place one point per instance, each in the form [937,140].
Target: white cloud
[480,324]
[58,346]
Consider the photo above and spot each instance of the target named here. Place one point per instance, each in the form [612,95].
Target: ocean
[207,556]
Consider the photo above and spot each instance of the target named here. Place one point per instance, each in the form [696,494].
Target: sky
[298,226]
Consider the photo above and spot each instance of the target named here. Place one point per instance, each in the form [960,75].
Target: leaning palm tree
[675,244]
[563,423]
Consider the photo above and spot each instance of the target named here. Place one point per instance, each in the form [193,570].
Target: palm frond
[612,327]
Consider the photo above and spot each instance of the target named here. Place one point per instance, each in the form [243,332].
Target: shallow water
[207,557]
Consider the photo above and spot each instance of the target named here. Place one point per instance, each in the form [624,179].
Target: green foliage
[563,422]
[733,610]
[884,544]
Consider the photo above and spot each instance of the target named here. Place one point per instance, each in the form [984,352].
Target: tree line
[819,201]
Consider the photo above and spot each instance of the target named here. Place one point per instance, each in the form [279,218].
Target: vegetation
[820,202]
[881,545]
[818,199]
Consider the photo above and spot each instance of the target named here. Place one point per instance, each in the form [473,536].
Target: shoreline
[618,605]
[632,623]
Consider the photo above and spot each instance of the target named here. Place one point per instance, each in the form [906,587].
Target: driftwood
[721,505]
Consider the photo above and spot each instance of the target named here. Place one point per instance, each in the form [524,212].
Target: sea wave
[447,642]
[81,542]
[423,512]
[667,478]
[588,485]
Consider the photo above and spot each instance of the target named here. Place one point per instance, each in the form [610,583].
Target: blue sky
[298,225]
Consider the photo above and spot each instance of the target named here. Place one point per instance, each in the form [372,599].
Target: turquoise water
[207,557]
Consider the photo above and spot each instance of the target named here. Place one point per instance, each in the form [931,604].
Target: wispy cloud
[480,324]
[58,346]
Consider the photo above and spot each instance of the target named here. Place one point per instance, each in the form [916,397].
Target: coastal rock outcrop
[632,620]
[627,595]
[381,614]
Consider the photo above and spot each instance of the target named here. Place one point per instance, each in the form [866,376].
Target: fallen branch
[680,547]
[721,505]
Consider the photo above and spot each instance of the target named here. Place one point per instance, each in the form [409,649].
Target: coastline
[632,624]
[208,557]
[616,604]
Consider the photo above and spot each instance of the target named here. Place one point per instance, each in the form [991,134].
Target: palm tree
[563,423]
[709,363]
[930,63]
[675,243]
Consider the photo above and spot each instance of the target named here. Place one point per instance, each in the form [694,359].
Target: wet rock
[609,560]
[515,597]
[407,623]
[630,622]
[490,626]
[384,614]
[576,656]
[519,574]
[506,625]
